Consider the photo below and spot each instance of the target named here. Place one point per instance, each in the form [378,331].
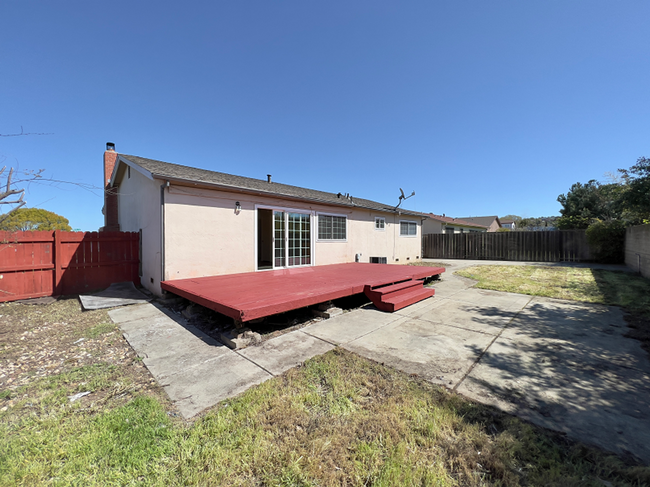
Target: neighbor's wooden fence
[35,264]
[556,246]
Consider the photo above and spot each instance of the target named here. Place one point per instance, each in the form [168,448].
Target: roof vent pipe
[268,178]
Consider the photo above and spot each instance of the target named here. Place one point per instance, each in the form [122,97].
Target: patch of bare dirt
[639,328]
[42,341]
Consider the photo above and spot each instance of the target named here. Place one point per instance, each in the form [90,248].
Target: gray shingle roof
[167,170]
[457,221]
[486,221]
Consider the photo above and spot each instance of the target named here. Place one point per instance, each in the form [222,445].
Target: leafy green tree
[32,219]
[586,203]
[636,197]
[607,241]
[574,222]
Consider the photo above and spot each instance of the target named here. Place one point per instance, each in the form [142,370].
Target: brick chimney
[111,222]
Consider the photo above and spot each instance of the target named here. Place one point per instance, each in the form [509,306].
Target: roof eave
[239,189]
[132,164]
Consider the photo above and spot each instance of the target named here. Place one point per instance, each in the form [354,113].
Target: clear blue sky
[480,107]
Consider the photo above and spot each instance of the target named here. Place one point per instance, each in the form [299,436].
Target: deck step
[394,289]
[397,296]
[402,301]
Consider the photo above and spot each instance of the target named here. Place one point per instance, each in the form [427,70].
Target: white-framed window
[380,223]
[408,229]
[332,228]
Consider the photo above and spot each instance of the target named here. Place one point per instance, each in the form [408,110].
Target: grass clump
[99,329]
[423,263]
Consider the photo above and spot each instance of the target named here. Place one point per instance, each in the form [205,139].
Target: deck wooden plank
[255,295]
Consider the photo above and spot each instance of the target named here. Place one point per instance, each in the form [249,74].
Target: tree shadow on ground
[569,367]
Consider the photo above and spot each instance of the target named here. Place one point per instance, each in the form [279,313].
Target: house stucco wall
[637,249]
[206,236]
[494,226]
[138,203]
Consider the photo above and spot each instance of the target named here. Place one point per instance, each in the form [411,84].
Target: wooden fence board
[556,246]
[35,264]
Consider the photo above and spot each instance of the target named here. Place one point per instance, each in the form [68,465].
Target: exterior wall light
[237,207]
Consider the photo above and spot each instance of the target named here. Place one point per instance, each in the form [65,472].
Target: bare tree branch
[22,132]
[9,213]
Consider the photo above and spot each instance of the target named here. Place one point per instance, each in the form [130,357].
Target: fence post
[57,258]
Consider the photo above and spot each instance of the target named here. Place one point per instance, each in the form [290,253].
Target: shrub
[607,241]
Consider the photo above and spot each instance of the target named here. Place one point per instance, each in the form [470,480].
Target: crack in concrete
[471,368]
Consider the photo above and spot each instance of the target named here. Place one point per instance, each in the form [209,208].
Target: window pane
[279,238]
[408,228]
[331,227]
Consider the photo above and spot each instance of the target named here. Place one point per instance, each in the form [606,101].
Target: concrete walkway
[195,370]
[563,365]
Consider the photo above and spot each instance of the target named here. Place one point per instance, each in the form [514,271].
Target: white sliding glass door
[299,239]
[292,240]
[279,239]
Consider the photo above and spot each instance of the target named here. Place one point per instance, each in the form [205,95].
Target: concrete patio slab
[117,294]
[163,365]
[450,285]
[496,299]
[350,326]
[576,332]
[438,353]
[196,371]
[130,313]
[420,307]
[483,319]
[196,388]
[286,351]
[569,367]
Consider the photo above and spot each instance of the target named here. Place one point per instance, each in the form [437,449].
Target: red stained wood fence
[36,264]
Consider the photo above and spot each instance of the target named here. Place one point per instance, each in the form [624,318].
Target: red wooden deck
[253,295]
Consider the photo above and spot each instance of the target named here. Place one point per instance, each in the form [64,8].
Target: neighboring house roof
[177,172]
[506,222]
[454,221]
[482,220]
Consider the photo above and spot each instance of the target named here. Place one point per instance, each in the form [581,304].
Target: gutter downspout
[162,229]
[422,220]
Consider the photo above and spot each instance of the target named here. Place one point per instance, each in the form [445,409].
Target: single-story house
[508,224]
[445,224]
[196,222]
[492,223]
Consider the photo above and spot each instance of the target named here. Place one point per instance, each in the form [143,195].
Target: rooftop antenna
[402,197]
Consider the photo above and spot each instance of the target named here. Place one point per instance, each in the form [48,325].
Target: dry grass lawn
[577,284]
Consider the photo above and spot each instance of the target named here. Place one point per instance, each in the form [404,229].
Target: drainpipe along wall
[162,230]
